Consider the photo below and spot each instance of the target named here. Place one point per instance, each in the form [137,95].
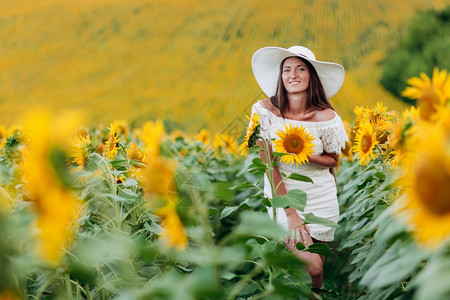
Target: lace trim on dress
[334,138]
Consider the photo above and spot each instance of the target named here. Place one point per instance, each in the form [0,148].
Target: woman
[299,87]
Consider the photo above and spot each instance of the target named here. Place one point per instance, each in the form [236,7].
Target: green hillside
[184,61]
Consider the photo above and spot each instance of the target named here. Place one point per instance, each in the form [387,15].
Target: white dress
[329,136]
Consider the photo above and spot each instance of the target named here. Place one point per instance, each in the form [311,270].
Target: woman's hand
[299,232]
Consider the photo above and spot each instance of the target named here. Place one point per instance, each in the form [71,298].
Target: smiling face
[295,75]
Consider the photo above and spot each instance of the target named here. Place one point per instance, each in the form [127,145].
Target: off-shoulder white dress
[329,136]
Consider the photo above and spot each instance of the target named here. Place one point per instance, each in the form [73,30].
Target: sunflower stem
[107,170]
[270,173]
[124,152]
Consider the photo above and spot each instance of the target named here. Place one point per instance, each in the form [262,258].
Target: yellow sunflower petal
[296,142]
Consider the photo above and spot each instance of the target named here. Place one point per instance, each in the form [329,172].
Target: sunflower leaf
[279,154]
[310,218]
[320,249]
[294,198]
[299,177]
[242,186]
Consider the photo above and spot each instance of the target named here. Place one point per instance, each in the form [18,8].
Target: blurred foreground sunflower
[296,142]
[431,93]
[426,189]
[48,181]
[174,234]
[159,185]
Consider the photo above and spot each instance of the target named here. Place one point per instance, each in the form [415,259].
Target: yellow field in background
[184,61]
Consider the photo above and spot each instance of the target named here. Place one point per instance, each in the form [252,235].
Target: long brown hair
[315,99]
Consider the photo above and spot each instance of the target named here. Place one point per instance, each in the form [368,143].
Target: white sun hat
[266,68]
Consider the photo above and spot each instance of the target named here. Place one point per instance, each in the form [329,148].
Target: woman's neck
[297,103]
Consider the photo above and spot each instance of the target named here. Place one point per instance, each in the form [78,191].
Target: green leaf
[130,182]
[300,246]
[294,198]
[127,193]
[432,281]
[320,248]
[81,272]
[267,202]
[299,177]
[242,186]
[279,154]
[58,160]
[310,218]
[286,288]
[223,191]
[228,211]
[400,261]
[258,224]
[258,162]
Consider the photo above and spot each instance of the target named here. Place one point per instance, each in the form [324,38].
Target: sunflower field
[141,213]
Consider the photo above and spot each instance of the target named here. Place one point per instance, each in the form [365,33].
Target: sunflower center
[366,142]
[294,144]
[432,185]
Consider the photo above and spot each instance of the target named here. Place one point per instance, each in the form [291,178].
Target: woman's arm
[300,232]
[326,160]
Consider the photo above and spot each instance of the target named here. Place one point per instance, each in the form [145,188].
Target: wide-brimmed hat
[266,68]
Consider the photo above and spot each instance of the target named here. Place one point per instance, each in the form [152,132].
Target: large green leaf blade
[294,198]
[310,218]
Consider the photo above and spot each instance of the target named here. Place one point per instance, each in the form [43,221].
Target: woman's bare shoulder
[267,104]
[325,115]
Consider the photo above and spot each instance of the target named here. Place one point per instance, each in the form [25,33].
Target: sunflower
[174,234]
[296,142]
[158,178]
[426,175]
[136,158]
[400,130]
[251,136]
[152,134]
[347,151]
[158,173]
[380,119]
[440,81]
[225,142]
[121,127]
[15,144]
[135,154]
[177,133]
[2,136]
[81,148]
[411,113]
[112,143]
[431,93]
[365,142]
[47,181]
[203,136]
